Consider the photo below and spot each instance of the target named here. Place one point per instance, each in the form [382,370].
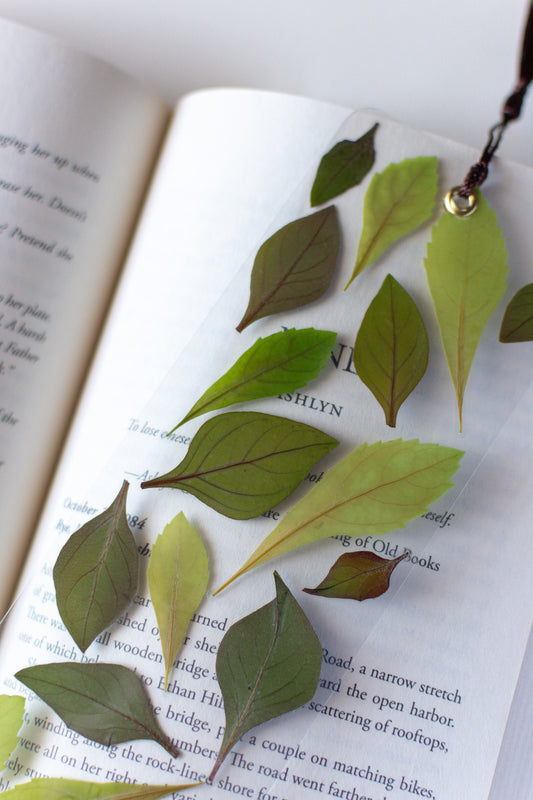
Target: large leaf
[106,703]
[375,489]
[267,664]
[294,266]
[11,719]
[517,323]
[244,463]
[96,573]
[357,576]
[178,574]
[466,270]
[391,348]
[280,363]
[66,789]
[398,200]
[343,167]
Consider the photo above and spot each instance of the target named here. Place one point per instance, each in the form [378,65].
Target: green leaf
[391,348]
[282,362]
[357,576]
[466,270]
[375,489]
[398,200]
[11,719]
[96,573]
[178,574]
[243,463]
[267,664]
[106,703]
[517,323]
[66,789]
[294,266]
[343,167]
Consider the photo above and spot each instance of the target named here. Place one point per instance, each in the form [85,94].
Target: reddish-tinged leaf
[517,323]
[358,576]
[343,167]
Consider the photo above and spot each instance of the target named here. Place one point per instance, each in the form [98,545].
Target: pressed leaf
[343,167]
[294,266]
[267,664]
[243,463]
[375,489]
[517,323]
[281,362]
[466,270]
[11,718]
[391,348]
[106,703]
[397,201]
[357,576]
[178,574]
[66,789]
[96,573]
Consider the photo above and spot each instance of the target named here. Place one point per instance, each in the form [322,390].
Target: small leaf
[358,576]
[398,200]
[294,266]
[243,463]
[66,789]
[391,348]
[517,323]
[178,574]
[343,167]
[106,703]
[280,363]
[96,573]
[267,664]
[375,489]
[466,270]
[11,719]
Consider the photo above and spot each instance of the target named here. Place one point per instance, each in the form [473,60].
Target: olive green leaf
[106,703]
[398,200]
[11,718]
[294,266]
[344,166]
[375,489]
[281,362]
[66,789]
[517,323]
[96,573]
[391,348]
[466,267]
[178,574]
[267,664]
[243,463]
[358,576]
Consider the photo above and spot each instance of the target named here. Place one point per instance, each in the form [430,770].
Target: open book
[416,685]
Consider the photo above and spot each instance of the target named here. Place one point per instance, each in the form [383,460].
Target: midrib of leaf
[170,621]
[392,414]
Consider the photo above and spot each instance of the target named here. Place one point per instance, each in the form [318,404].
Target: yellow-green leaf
[517,323]
[357,576]
[66,789]
[397,201]
[11,718]
[178,574]
[466,267]
[375,489]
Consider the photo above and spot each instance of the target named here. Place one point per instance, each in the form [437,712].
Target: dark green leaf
[280,363]
[267,664]
[357,576]
[517,323]
[391,349]
[344,166]
[294,267]
[66,789]
[96,573]
[243,463]
[106,703]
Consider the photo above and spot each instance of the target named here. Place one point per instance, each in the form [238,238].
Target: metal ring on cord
[460,209]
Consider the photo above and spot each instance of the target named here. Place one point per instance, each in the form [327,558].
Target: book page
[77,141]
[416,685]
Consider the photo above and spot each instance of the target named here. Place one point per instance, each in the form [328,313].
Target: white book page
[77,141]
[417,684]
